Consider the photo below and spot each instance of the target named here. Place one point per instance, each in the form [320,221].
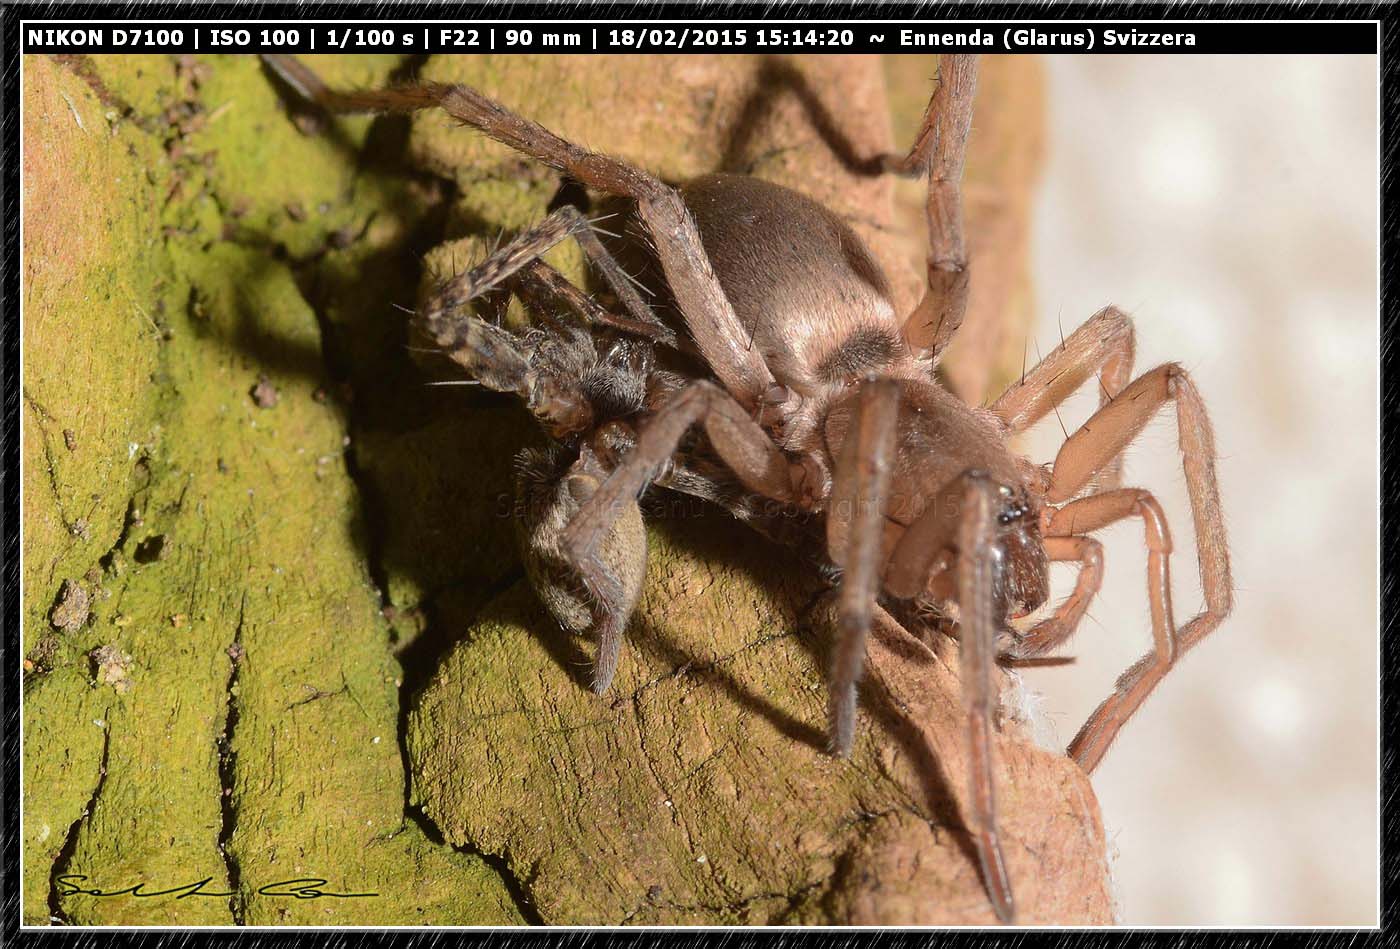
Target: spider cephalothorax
[817,399]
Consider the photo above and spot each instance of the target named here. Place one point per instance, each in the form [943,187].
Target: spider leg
[694,473]
[537,281]
[738,439]
[708,315]
[617,281]
[978,564]
[1101,439]
[1104,343]
[1061,624]
[855,532]
[520,259]
[1092,513]
[549,495]
[961,517]
[546,377]
[460,289]
[940,150]
[585,543]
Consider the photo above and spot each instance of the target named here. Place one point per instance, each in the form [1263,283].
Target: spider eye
[1012,513]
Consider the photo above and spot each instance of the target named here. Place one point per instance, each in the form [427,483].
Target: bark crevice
[70,843]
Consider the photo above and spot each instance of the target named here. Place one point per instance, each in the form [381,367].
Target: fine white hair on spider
[797,397]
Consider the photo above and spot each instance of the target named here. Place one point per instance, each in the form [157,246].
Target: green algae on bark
[258,738]
[90,346]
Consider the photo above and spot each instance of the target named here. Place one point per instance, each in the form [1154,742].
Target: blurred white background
[1230,204]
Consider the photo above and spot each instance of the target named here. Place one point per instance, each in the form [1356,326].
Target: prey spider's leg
[538,282]
[738,439]
[978,564]
[568,221]
[708,315]
[458,290]
[940,149]
[548,496]
[618,281]
[500,361]
[495,357]
[1102,438]
[855,531]
[521,258]
[1103,344]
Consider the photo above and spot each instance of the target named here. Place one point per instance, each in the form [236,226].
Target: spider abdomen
[801,281]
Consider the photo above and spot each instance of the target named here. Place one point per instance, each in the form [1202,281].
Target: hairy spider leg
[978,564]
[521,257]
[1103,437]
[1056,628]
[549,497]
[1105,344]
[940,150]
[459,289]
[496,357]
[855,532]
[708,315]
[539,283]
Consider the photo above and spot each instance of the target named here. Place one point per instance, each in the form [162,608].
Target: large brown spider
[820,399]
